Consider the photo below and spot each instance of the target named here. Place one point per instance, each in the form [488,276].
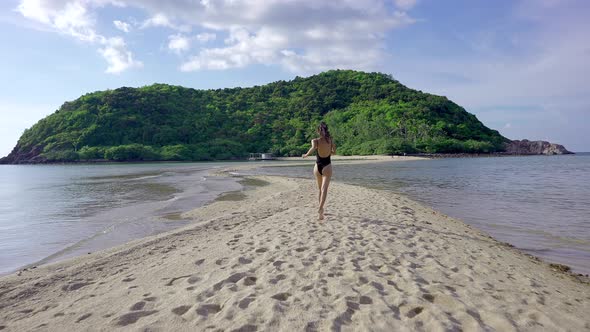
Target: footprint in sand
[249,281]
[365,300]
[306,288]
[206,309]
[132,317]
[311,327]
[428,297]
[75,286]
[379,287]
[181,310]
[83,317]
[233,279]
[281,296]
[221,261]
[244,260]
[193,280]
[245,302]
[278,278]
[137,306]
[414,312]
[278,263]
[246,328]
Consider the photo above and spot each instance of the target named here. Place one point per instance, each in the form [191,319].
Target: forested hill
[368,113]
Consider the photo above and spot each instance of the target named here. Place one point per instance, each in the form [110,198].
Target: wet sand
[263,262]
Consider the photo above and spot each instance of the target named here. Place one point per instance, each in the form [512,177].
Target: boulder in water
[526,147]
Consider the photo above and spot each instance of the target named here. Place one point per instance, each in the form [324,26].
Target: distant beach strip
[261,261]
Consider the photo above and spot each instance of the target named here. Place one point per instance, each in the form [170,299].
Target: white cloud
[75,18]
[301,36]
[178,43]
[123,26]
[71,18]
[161,20]
[158,20]
[405,4]
[115,52]
[36,10]
[205,37]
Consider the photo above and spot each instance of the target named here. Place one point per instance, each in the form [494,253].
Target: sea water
[51,212]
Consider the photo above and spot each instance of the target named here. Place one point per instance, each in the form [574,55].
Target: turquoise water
[50,212]
[540,204]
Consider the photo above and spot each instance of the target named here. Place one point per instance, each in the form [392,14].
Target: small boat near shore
[261,156]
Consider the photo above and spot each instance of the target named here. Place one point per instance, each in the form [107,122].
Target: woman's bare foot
[321,214]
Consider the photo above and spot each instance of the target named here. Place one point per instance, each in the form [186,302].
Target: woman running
[323,168]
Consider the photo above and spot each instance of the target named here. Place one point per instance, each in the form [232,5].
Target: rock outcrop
[526,147]
[23,157]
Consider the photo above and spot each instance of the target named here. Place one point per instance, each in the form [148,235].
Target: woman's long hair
[324,132]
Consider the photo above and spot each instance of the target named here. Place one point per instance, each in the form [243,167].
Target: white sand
[378,262]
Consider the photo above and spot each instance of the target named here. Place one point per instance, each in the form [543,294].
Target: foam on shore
[378,262]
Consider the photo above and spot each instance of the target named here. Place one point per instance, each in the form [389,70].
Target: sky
[521,66]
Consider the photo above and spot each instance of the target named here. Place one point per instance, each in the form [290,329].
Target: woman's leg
[318,178]
[327,175]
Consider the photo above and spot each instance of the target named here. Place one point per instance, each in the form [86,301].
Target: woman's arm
[333,148]
[313,147]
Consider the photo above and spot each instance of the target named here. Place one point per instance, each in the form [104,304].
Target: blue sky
[521,66]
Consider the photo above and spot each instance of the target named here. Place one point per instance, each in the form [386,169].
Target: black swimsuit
[322,162]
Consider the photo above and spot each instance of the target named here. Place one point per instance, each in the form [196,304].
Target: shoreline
[291,161]
[379,261]
[408,156]
[156,196]
[105,161]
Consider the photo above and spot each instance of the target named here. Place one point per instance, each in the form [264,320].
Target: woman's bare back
[324,147]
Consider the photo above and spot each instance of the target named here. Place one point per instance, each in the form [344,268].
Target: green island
[368,113]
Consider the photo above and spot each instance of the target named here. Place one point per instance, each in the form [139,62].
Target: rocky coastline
[526,147]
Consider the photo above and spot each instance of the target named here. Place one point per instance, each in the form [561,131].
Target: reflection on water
[49,212]
[539,204]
